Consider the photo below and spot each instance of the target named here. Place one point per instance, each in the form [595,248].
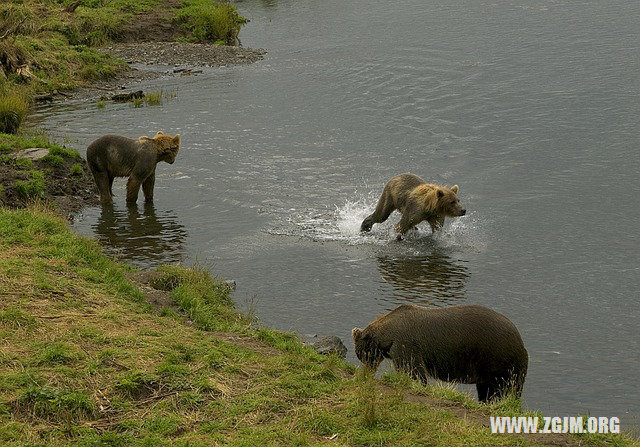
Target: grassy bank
[52,45]
[87,360]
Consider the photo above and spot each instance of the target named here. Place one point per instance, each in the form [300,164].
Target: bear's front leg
[407,222]
[436,223]
[133,188]
[147,187]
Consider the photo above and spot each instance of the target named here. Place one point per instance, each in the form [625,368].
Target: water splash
[343,225]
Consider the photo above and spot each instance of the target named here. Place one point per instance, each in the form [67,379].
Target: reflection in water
[429,280]
[145,238]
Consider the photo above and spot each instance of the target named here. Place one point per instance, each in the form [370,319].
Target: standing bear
[113,156]
[417,200]
[465,344]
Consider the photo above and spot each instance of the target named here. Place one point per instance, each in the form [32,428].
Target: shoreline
[177,59]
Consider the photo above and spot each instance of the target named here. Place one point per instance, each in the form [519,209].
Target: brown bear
[113,156]
[465,344]
[417,200]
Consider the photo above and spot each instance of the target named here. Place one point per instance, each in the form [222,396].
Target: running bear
[417,200]
[113,156]
[464,344]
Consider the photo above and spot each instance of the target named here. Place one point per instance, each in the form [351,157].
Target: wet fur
[465,344]
[417,200]
[113,156]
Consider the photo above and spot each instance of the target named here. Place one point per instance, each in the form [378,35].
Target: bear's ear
[356,333]
[440,193]
[455,188]
[158,134]
[176,139]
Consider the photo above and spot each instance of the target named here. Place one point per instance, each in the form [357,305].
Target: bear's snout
[463,212]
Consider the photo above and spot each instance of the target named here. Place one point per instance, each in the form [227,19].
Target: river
[531,106]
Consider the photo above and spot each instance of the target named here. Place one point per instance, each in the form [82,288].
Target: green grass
[24,163]
[150,98]
[209,21]
[58,49]
[76,170]
[153,98]
[12,143]
[13,109]
[87,361]
[35,187]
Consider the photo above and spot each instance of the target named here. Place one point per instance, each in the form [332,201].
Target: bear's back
[470,327]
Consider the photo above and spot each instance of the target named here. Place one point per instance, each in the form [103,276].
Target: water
[531,106]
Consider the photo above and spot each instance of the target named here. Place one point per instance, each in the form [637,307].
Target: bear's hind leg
[384,208]
[102,182]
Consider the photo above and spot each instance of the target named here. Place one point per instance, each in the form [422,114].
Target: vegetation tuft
[13,110]
[210,21]
[33,188]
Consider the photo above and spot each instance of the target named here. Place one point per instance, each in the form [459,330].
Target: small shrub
[7,142]
[133,383]
[61,151]
[53,160]
[101,104]
[211,22]
[153,98]
[16,318]
[367,400]
[13,109]
[76,170]
[33,188]
[137,102]
[25,163]
[53,404]
[56,354]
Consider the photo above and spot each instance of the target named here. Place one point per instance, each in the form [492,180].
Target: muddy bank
[54,175]
[183,54]
[152,60]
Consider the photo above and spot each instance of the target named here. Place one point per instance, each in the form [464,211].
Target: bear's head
[448,203]
[439,200]
[167,146]
[368,350]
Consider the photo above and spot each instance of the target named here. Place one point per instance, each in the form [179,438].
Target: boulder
[330,344]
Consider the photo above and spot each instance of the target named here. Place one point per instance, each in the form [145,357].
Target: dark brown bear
[113,156]
[464,344]
[417,200]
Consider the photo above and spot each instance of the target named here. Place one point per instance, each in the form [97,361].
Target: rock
[123,97]
[330,344]
[32,153]
[44,98]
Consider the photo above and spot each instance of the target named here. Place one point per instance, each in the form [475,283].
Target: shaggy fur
[113,156]
[465,344]
[417,200]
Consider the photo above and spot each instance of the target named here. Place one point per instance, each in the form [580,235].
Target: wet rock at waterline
[330,344]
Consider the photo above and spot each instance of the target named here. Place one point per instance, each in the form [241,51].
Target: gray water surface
[531,106]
